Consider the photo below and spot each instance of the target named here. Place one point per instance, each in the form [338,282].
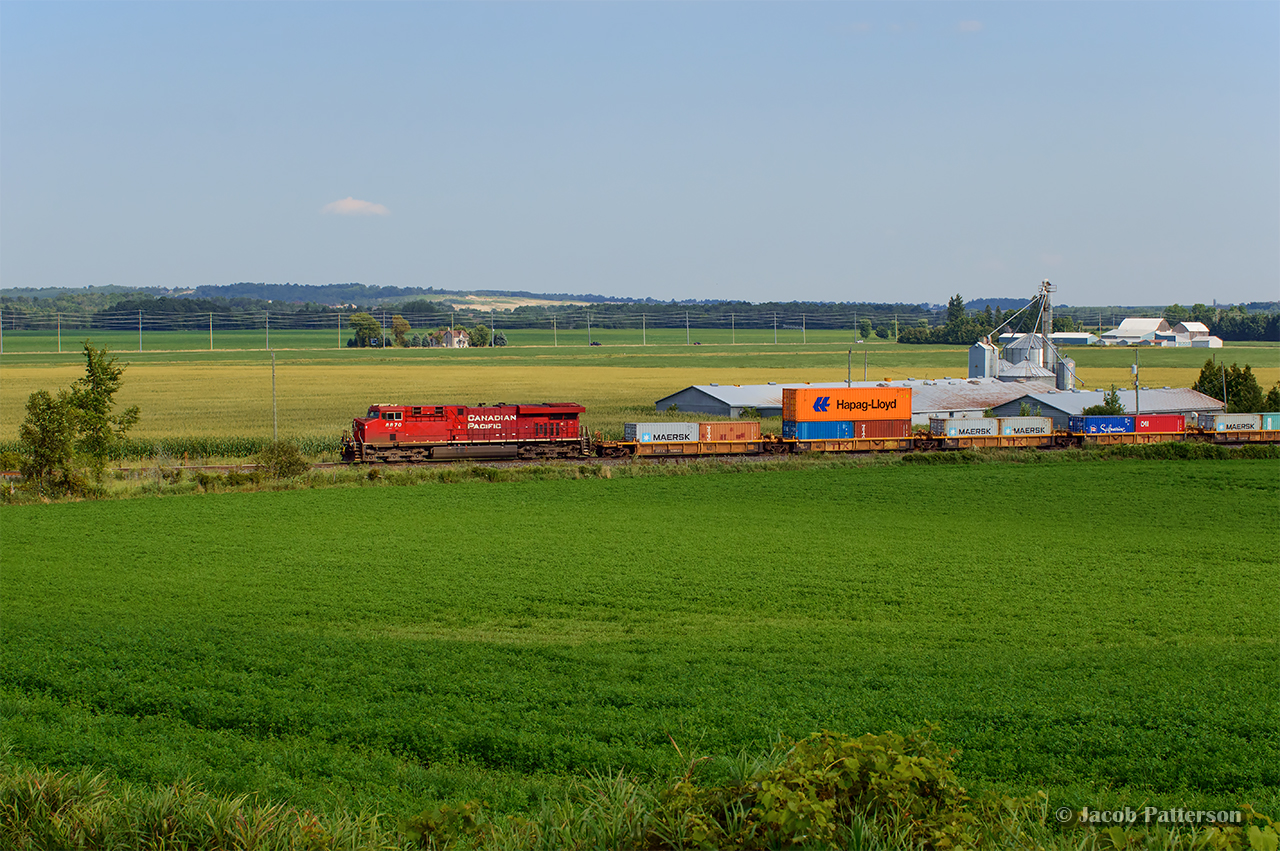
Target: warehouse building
[1061,404]
[943,397]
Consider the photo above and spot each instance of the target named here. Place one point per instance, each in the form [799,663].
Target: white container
[1023,426]
[1231,422]
[964,426]
[660,432]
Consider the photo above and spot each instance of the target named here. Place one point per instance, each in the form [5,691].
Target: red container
[1160,423]
[881,428]
[734,430]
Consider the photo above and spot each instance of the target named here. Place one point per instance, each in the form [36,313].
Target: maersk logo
[1026,430]
[971,432]
[648,437]
[1235,426]
[820,404]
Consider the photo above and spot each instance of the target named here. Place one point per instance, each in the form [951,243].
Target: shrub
[281,460]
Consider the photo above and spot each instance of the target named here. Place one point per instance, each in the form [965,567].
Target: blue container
[792,430]
[1100,425]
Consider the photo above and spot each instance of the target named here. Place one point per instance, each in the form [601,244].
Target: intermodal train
[415,433]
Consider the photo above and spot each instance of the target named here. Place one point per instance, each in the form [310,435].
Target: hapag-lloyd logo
[821,403]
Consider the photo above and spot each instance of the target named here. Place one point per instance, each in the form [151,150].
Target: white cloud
[351,207]
[969,26]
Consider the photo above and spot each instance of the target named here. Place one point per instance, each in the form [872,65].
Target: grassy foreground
[1104,632]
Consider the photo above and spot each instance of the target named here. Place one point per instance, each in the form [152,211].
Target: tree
[864,329]
[47,437]
[1176,313]
[1272,402]
[91,399]
[955,309]
[366,328]
[1111,405]
[1064,323]
[399,329]
[1203,314]
[1243,394]
[499,338]
[478,337]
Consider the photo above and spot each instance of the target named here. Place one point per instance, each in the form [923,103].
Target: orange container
[830,404]
[734,430]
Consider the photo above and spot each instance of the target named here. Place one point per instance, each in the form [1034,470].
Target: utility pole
[210,331]
[273,357]
[644,330]
[491,328]
[848,381]
[555,338]
[1137,403]
[775,328]
[139,330]
[588,327]
[275,423]
[686,327]
[733,328]
[864,364]
[339,330]
[804,330]
[59,333]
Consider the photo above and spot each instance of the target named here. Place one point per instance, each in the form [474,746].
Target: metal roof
[1028,341]
[1137,326]
[1154,401]
[1024,369]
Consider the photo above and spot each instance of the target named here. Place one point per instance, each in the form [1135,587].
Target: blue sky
[815,151]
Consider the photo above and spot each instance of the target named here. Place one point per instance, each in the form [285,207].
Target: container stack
[842,413]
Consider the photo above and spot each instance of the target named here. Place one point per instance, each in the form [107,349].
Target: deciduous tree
[400,329]
[92,399]
[365,327]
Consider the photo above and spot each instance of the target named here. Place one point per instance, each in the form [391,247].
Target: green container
[1270,422]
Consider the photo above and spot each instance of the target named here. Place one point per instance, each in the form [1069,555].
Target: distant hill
[365,294]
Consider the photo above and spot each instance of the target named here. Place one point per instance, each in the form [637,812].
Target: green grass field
[1103,631]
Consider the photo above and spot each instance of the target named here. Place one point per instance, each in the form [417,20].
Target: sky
[1128,152]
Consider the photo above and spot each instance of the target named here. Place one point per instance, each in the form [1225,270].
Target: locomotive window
[461,411]
[392,415]
[417,412]
[439,411]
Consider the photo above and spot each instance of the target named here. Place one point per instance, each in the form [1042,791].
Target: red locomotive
[407,433]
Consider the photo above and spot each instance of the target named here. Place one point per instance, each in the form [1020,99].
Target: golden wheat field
[226,394]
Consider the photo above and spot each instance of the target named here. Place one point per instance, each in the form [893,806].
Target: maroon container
[1160,423]
[881,428]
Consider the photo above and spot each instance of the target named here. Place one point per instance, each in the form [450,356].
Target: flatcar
[414,433]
